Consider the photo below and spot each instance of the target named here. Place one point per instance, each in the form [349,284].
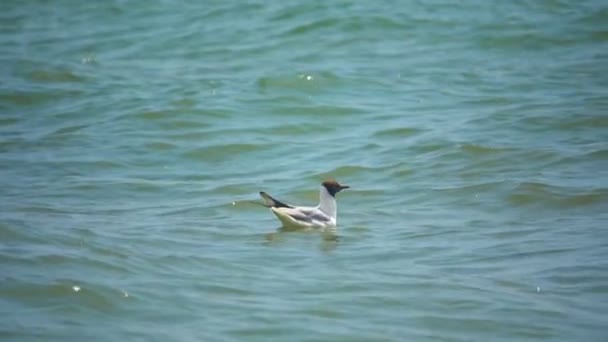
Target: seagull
[323,215]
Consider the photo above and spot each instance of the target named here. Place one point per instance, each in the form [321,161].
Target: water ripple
[133,140]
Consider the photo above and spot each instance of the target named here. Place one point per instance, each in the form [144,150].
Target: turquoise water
[474,135]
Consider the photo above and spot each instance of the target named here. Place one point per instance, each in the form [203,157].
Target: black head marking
[334,187]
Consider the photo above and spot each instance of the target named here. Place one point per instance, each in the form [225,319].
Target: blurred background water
[474,135]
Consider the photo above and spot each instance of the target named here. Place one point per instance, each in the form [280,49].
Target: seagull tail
[271,202]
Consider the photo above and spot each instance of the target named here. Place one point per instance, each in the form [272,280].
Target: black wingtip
[272,202]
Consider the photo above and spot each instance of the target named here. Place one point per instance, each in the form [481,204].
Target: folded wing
[308,215]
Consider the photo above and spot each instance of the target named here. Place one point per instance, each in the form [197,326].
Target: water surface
[474,136]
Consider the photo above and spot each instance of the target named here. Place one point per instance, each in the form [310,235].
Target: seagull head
[334,187]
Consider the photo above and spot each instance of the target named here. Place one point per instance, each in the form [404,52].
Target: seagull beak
[342,187]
